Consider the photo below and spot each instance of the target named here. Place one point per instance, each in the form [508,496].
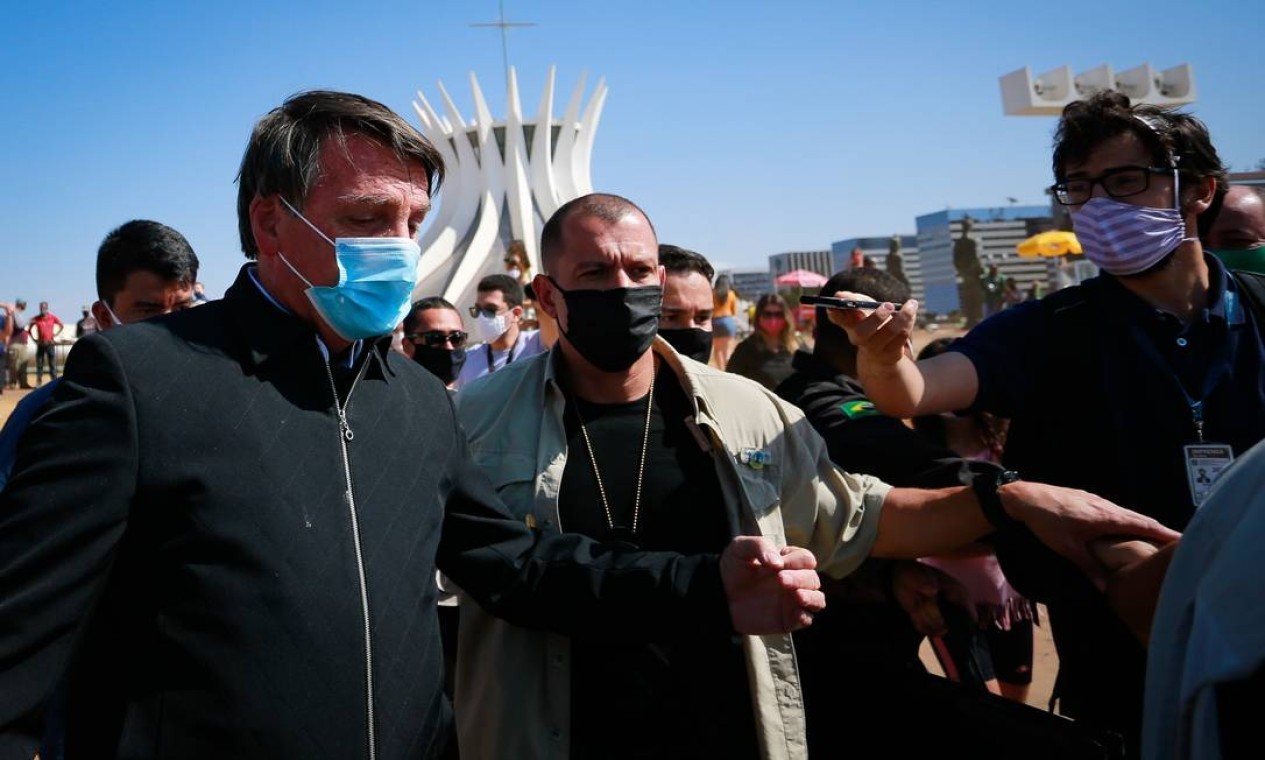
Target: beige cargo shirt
[513,698]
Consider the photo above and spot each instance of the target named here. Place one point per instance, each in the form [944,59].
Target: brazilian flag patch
[858,408]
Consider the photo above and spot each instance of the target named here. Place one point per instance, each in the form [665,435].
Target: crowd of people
[45,331]
[20,336]
[575,518]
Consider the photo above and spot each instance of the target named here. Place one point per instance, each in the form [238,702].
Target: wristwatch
[989,502]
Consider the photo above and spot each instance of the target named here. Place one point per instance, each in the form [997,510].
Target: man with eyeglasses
[1124,386]
[435,338]
[497,313]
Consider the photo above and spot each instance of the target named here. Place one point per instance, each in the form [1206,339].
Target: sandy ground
[8,400]
[1045,663]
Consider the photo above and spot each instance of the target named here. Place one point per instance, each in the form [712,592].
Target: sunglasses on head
[436,338]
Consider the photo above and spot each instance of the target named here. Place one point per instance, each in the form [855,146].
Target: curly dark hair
[1169,136]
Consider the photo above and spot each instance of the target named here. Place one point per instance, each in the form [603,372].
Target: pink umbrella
[802,278]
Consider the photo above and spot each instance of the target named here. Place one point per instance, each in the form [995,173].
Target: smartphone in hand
[838,303]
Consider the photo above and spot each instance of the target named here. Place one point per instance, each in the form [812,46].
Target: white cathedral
[504,178]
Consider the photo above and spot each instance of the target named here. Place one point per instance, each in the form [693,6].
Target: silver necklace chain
[641,467]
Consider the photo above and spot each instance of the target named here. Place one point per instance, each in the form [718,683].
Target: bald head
[604,207]
[1241,222]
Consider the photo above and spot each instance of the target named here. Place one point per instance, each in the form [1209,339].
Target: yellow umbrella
[1053,243]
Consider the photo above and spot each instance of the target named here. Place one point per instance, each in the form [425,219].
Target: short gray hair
[283,155]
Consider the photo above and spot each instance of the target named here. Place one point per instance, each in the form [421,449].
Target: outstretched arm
[917,523]
[1136,571]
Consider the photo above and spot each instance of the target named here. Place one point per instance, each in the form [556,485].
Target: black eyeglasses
[437,338]
[1121,182]
[490,311]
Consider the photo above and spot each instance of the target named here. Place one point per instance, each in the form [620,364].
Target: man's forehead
[589,233]
[1124,149]
[1242,217]
[439,319]
[362,169]
[142,284]
[687,289]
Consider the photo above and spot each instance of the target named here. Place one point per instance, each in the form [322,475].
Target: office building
[876,249]
[996,232]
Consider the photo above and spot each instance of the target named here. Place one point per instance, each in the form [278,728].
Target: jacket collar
[269,330]
[681,367]
[1223,307]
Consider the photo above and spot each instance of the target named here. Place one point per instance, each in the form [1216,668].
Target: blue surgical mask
[376,277]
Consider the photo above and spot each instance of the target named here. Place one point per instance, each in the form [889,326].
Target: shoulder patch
[861,407]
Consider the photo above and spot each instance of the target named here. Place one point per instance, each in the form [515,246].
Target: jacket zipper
[345,436]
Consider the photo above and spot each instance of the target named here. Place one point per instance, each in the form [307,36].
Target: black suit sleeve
[61,517]
[568,583]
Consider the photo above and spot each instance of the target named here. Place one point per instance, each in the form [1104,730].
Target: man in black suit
[223,529]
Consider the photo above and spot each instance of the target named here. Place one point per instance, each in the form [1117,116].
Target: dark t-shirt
[752,358]
[686,696]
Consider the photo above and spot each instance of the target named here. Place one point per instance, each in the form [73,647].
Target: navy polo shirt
[1096,383]
[1149,359]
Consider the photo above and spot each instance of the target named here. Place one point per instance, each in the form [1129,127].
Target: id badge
[1204,464]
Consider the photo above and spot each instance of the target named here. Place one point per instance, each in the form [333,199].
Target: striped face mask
[1124,239]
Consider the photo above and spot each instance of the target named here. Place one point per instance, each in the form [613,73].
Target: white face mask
[515,272]
[491,328]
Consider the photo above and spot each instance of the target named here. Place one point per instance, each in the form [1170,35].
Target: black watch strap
[986,486]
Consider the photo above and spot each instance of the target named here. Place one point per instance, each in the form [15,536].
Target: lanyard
[1213,378]
[487,349]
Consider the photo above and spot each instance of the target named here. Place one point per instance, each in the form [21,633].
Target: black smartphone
[838,303]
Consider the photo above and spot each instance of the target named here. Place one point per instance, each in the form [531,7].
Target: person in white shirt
[498,312]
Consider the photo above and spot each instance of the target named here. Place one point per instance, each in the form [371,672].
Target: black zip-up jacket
[177,542]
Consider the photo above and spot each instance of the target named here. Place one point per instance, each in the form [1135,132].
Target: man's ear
[102,316]
[1202,200]
[546,294]
[265,218]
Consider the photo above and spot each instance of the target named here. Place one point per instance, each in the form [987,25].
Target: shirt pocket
[761,491]
[513,475]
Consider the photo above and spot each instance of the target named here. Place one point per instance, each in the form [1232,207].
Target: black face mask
[440,362]
[612,328]
[689,341]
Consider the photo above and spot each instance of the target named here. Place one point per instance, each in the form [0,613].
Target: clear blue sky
[744,128]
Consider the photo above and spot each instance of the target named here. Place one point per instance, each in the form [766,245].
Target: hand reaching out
[1070,521]
[882,336]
